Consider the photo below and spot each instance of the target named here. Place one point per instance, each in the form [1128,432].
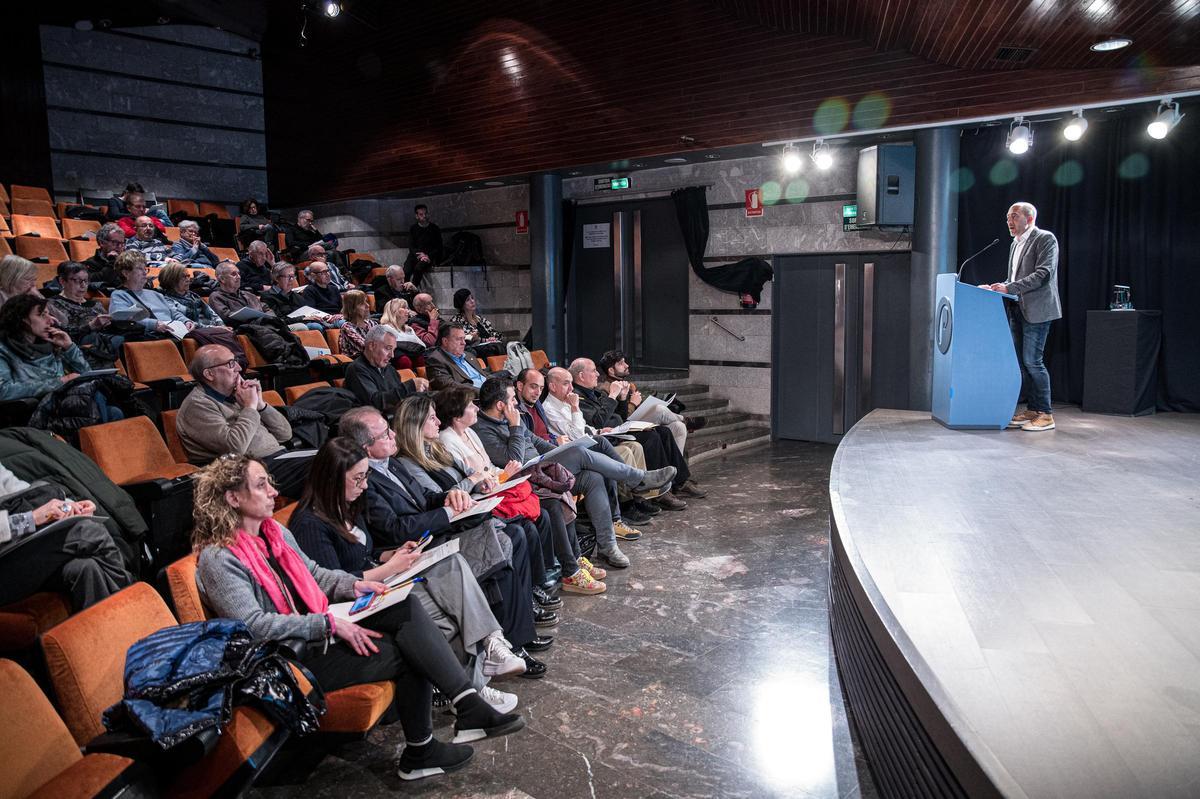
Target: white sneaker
[500,660]
[502,702]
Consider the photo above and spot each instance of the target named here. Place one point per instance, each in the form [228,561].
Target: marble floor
[705,670]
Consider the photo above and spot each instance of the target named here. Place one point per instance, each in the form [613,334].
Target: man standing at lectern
[1033,278]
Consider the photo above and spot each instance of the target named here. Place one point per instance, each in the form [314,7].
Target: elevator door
[840,341]
[629,284]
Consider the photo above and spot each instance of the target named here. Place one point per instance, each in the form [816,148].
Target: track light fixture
[822,155]
[1165,119]
[791,159]
[331,8]
[1020,136]
[1075,127]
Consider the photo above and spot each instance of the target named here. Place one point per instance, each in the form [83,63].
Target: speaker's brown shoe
[1044,421]
[1023,418]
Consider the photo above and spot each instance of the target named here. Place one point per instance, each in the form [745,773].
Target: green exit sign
[620,183]
[849,216]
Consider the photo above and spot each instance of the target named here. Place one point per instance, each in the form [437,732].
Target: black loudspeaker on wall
[886,178]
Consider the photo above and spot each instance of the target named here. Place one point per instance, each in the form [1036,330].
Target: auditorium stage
[1018,614]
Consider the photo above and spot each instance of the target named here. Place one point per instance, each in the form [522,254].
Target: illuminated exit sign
[611,184]
[849,216]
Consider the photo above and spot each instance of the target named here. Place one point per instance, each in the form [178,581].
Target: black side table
[1120,368]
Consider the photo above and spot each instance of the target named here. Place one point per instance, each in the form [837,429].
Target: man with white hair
[1033,279]
[316,253]
[393,286]
[302,235]
[231,297]
[371,376]
[189,250]
[256,267]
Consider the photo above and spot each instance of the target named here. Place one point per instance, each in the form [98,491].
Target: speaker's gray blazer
[1036,283]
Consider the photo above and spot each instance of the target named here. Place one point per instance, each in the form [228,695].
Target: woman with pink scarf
[251,569]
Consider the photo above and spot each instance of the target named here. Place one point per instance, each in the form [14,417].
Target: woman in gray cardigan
[250,568]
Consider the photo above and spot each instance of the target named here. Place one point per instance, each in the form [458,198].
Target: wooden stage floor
[1036,595]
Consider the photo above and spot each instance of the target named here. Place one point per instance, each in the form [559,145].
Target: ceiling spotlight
[822,156]
[331,8]
[1168,117]
[791,159]
[1075,128]
[1112,43]
[1020,136]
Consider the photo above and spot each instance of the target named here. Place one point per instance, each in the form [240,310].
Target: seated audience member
[189,250]
[336,278]
[420,452]
[320,293]
[460,445]
[357,312]
[302,235]
[255,226]
[250,568]
[601,410]
[536,417]
[393,286]
[80,559]
[133,295]
[230,297]
[175,280]
[450,364]
[257,266]
[506,439]
[86,321]
[373,379]
[283,299]
[426,321]
[147,243]
[110,242]
[425,246]
[17,276]
[130,206]
[400,509]
[329,527]
[482,337]
[226,413]
[614,369]
[35,356]
[410,350]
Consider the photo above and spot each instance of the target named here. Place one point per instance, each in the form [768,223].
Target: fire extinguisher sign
[754,206]
[522,222]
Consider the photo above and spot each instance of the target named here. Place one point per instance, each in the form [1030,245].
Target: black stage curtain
[1125,209]
[744,277]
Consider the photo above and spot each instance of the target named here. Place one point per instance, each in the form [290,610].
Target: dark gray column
[545,263]
[934,249]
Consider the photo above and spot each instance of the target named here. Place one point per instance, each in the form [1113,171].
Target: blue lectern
[976,379]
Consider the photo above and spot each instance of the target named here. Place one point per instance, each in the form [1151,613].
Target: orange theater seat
[85,656]
[225,253]
[5,230]
[38,226]
[294,393]
[40,758]
[171,234]
[38,208]
[131,451]
[81,249]
[495,363]
[540,361]
[186,206]
[333,335]
[23,621]
[273,399]
[284,514]
[354,709]
[4,194]
[314,338]
[174,442]
[4,248]
[148,361]
[406,375]
[30,193]
[216,209]
[50,249]
[362,256]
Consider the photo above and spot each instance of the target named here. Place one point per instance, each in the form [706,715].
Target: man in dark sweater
[302,235]
[256,267]
[320,292]
[371,376]
[110,242]
[424,247]
[603,410]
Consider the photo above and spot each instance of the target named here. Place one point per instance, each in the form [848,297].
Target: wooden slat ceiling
[968,34]
[399,97]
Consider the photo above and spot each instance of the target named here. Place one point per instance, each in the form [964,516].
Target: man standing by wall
[1033,278]
[424,247]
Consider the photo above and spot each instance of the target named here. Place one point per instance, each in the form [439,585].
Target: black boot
[476,719]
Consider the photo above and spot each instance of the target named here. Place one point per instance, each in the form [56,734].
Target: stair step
[705,406]
[661,385]
[722,419]
[738,439]
[653,375]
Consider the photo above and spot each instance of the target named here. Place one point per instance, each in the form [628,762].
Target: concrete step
[704,406]
[701,450]
[721,420]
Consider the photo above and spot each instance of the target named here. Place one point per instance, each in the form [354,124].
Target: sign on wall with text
[754,206]
[522,222]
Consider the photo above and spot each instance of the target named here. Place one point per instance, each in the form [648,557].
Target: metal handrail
[716,322]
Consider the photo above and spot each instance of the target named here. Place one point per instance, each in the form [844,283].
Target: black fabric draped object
[1125,209]
[747,276]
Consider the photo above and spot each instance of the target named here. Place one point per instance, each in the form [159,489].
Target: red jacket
[127,224]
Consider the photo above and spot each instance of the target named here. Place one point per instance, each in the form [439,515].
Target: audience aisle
[705,670]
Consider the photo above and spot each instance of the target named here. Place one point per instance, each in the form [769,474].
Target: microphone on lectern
[976,255]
